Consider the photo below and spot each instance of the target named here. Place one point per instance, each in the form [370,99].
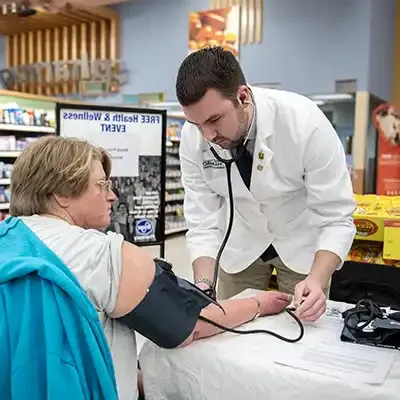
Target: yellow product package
[391,245]
[365,203]
[365,252]
[383,203]
[395,206]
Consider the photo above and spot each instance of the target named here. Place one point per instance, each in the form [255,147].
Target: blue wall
[383,20]
[306,46]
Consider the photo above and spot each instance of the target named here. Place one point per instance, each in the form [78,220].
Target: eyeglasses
[106,184]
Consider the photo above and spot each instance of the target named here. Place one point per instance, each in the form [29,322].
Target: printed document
[322,351]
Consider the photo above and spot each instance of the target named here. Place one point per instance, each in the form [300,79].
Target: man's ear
[243,94]
[62,201]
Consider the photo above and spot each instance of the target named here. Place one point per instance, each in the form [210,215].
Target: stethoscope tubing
[228,165]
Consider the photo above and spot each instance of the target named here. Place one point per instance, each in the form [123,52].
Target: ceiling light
[331,97]
[166,104]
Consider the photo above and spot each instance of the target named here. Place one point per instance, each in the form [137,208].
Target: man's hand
[273,302]
[309,300]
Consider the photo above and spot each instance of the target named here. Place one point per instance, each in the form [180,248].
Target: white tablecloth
[238,367]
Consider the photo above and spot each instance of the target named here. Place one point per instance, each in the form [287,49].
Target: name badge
[209,161]
[213,164]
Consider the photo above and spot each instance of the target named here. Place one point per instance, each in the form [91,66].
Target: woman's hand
[272,302]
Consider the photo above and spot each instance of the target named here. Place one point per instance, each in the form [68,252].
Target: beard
[241,132]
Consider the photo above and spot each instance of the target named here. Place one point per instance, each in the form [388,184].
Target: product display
[174,196]
[377,220]
[18,128]
[13,143]
[174,127]
[370,253]
[5,171]
[15,115]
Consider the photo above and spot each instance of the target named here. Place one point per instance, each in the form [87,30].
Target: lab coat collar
[265,112]
[264,120]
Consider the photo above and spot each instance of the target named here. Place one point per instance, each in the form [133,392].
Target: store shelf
[9,154]
[5,181]
[27,128]
[174,196]
[4,206]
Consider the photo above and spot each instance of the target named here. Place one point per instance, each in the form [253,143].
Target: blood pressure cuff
[169,312]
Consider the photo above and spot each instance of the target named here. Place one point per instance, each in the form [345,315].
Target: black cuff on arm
[169,312]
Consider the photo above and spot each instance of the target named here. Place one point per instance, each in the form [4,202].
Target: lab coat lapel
[262,153]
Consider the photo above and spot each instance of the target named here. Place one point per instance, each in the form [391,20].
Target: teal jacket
[52,341]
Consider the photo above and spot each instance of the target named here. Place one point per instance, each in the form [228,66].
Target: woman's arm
[138,274]
[238,312]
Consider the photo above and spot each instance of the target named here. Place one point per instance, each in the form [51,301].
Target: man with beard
[293,198]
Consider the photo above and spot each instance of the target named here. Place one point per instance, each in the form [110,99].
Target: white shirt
[300,198]
[95,259]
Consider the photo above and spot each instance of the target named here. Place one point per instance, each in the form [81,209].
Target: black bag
[358,281]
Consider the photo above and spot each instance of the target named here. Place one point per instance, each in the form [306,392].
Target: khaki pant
[257,276]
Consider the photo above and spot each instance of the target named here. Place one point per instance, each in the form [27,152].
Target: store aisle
[176,252]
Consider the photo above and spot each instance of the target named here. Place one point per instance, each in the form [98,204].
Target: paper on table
[341,360]
[331,322]
[394,372]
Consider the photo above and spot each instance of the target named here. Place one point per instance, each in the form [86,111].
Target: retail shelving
[26,128]
[174,196]
[23,119]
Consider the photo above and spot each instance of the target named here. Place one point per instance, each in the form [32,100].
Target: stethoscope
[228,165]
[212,292]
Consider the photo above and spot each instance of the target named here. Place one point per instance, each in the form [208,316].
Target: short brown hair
[208,68]
[52,165]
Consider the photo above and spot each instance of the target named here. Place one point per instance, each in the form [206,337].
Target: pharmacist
[293,198]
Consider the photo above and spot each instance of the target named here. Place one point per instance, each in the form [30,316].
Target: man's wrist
[203,282]
[318,279]
[325,264]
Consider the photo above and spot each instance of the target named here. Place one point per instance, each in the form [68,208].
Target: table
[237,367]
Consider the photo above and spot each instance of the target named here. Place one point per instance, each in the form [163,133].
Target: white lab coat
[301,201]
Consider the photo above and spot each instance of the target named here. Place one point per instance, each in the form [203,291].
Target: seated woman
[61,190]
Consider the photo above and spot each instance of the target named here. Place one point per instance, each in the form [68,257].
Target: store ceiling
[53,14]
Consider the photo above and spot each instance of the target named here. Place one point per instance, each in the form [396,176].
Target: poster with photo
[135,141]
[387,121]
[220,27]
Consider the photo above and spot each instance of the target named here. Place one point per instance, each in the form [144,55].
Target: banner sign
[387,122]
[135,141]
[105,72]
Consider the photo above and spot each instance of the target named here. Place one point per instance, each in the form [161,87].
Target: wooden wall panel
[93,40]
[362,118]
